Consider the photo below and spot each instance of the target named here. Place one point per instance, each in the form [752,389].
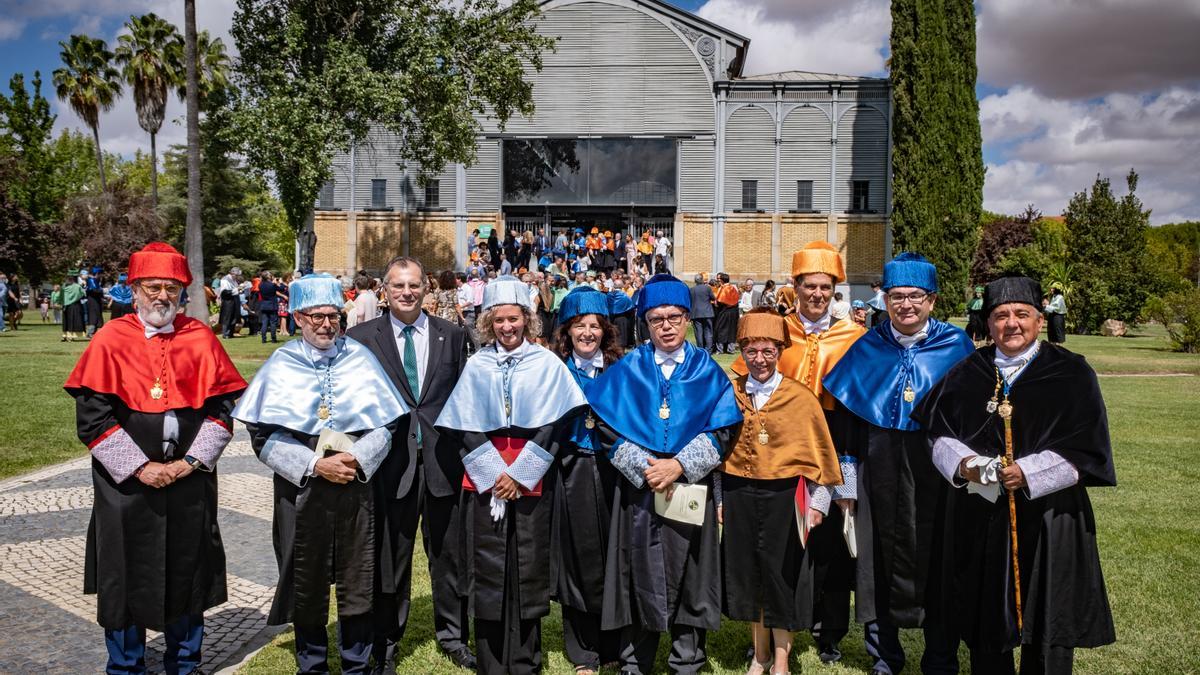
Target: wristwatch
[191,461]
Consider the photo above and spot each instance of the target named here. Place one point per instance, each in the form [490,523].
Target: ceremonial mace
[1005,410]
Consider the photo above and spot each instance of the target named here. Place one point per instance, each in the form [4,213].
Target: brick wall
[380,238]
[862,247]
[431,239]
[748,245]
[695,233]
[330,254]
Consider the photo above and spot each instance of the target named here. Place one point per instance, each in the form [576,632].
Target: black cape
[1056,406]
[153,554]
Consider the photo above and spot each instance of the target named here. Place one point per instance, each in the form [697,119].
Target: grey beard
[158,316]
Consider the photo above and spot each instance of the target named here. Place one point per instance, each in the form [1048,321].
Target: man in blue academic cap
[321,413]
[666,411]
[901,498]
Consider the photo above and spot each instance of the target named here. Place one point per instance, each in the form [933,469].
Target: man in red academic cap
[153,393]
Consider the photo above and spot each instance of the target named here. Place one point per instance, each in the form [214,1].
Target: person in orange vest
[726,320]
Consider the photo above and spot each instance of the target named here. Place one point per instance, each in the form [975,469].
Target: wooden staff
[1005,410]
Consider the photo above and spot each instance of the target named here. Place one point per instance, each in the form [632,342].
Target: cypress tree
[937,157]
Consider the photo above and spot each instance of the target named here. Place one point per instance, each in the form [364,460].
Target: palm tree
[194,232]
[144,54]
[213,66]
[89,84]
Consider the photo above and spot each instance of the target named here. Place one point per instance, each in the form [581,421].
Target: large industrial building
[644,120]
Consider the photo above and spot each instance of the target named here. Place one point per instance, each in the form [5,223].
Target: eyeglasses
[899,298]
[670,320]
[319,318]
[153,290]
[768,354]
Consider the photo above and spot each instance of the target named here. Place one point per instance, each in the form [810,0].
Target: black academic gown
[685,588]
[901,499]
[323,534]
[826,566]
[153,554]
[1056,406]
[508,563]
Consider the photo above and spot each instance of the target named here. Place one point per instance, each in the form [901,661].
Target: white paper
[848,519]
[331,441]
[686,505]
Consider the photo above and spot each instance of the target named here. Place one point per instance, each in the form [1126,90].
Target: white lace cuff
[287,457]
[698,458]
[1047,472]
[948,454]
[370,449]
[632,461]
[819,498]
[530,465]
[849,487]
[119,455]
[484,465]
[209,443]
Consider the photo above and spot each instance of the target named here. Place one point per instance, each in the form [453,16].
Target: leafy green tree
[1177,246]
[315,76]
[103,227]
[1107,244]
[89,83]
[25,127]
[1179,314]
[241,218]
[145,58]
[937,157]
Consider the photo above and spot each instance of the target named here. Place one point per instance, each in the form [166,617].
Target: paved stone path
[47,624]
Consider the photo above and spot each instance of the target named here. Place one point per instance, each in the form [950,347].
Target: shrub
[1179,313]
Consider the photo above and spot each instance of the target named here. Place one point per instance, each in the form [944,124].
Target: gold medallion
[156,392]
[1005,410]
[323,411]
[763,436]
[909,394]
[664,411]
[589,421]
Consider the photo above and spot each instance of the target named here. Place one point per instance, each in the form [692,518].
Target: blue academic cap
[314,290]
[910,269]
[663,289]
[582,300]
[619,303]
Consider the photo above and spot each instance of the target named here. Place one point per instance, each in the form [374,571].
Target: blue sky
[1068,90]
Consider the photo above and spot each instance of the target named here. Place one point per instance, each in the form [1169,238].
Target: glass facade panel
[593,172]
[804,195]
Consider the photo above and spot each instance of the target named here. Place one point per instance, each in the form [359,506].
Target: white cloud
[814,35]
[1051,149]
[11,29]
[1072,49]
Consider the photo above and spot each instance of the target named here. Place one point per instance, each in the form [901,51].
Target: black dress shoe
[462,657]
[829,654]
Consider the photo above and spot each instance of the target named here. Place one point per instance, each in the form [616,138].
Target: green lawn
[1148,526]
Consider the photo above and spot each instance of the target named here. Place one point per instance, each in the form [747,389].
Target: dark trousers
[524,647]
[638,647]
[269,323]
[439,532]
[703,330]
[883,645]
[585,643]
[1035,660]
[1056,328]
[229,316]
[127,647]
[354,645]
[831,618]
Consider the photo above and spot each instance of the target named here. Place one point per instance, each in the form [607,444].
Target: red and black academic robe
[1056,406]
[153,554]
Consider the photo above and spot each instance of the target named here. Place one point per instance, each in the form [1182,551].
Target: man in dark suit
[422,475]
[702,314]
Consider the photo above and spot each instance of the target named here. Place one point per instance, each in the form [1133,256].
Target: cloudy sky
[1068,89]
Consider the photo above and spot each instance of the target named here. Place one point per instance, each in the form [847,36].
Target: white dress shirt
[668,360]
[760,392]
[420,339]
[170,421]
[815,327]
[589,364]
[907,341]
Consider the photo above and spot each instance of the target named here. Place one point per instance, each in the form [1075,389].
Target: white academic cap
[506,290]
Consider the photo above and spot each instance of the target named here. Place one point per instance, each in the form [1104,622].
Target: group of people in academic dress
[647,492]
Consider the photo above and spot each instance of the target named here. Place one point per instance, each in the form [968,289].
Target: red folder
[802,510]
[509,448]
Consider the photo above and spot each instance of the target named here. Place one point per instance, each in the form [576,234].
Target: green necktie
[410,370]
